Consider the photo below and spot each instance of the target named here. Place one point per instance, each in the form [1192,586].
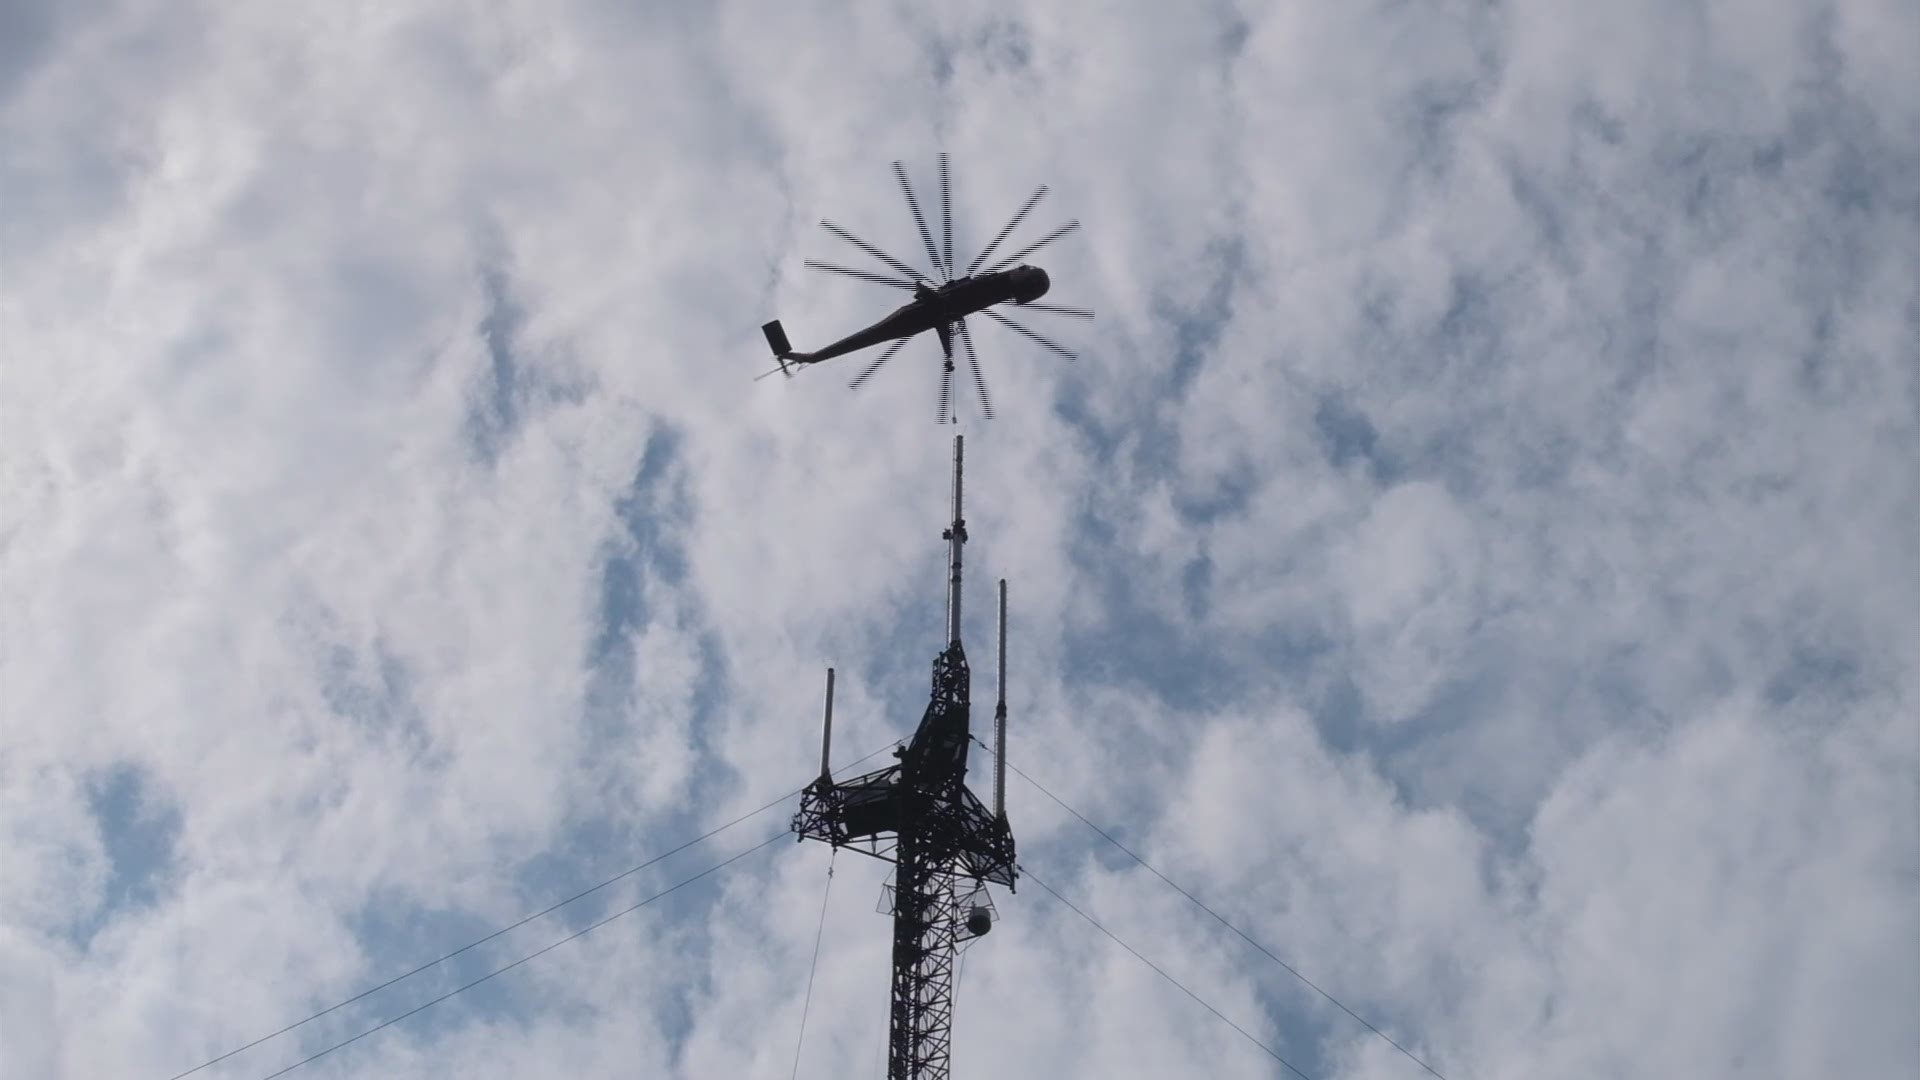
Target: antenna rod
[826,733]
[1000,717]
[955,536]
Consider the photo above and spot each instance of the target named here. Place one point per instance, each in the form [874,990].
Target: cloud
[1471,551]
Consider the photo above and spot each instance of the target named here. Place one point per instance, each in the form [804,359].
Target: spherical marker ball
[979,921]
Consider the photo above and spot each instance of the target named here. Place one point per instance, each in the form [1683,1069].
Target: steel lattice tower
[945,844]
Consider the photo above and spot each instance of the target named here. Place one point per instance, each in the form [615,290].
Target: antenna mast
[945,844]
[826,726]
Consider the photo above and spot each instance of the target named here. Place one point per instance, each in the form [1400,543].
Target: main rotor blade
[1011,225]
[1018,329]
[913,204]
[1035,246]
[946,221]
[1056,309]
[946,390]
[973,363]
[877,279]
[895,264]
[875,366]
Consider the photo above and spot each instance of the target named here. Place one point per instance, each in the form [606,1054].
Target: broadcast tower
[918,814]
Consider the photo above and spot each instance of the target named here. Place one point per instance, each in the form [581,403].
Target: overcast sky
[1474,550]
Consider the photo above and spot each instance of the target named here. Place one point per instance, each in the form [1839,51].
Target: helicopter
[942,301]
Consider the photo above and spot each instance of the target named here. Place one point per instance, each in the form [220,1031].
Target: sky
[1472,551]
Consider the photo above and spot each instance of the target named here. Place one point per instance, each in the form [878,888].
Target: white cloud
[1471,551]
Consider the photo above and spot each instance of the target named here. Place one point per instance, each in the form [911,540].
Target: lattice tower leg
[923,951]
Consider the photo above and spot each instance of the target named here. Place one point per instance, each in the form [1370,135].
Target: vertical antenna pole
[1000,717]
[955,536]
[826,731]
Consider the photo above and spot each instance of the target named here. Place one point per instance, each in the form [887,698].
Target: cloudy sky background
[1474,551]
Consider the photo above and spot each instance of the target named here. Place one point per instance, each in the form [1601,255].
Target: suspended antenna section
[956,538]
[999,715]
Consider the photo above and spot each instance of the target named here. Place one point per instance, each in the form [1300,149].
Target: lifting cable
[476,943]
[1221,919]
[582,932]
[818,931]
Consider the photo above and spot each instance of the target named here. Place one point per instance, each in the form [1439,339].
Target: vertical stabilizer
[777,339]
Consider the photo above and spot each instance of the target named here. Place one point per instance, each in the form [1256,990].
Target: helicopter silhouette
[941,302]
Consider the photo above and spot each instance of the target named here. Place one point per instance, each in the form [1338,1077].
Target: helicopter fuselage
[937,307]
